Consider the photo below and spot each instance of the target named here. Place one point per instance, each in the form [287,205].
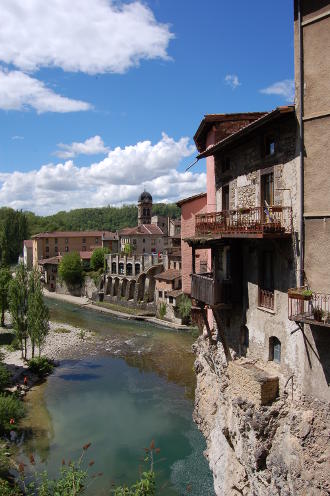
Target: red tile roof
[72,234]
[190,198]
[143,229]
[169,275]
[50,261]
[86,255]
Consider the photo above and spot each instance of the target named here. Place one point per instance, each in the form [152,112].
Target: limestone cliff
[257,449]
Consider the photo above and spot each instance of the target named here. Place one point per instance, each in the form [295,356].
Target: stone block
[252,384]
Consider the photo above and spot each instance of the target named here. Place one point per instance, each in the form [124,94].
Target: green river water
[132,384]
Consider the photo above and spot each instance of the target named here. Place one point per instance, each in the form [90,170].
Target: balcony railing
[266,299]
[245,221]
[309,307]
[206,289]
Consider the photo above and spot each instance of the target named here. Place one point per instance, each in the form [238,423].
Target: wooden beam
[193,260]
[221,335]
[206,322]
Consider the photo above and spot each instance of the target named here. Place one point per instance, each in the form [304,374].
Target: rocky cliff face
[254,449]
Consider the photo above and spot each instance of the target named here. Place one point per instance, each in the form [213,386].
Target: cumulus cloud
[91,146]
[18,91]
[93,37]
[115,180]
[283,88]
[232,81]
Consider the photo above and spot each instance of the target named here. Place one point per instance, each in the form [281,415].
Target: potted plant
[300,293]
[318,314]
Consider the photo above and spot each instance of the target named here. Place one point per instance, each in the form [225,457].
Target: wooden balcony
[206,289]
[255,222]
[309,307]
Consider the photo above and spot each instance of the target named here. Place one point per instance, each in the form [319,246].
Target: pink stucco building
[189,208]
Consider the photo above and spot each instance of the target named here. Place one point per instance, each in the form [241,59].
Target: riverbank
[85,302]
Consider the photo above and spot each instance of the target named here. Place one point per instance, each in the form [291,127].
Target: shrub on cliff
[70,268]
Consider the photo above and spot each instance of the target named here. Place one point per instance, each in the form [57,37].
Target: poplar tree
[37,313]
[18,305]
[5,278]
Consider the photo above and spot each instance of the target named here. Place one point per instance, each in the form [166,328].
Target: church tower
[144,208]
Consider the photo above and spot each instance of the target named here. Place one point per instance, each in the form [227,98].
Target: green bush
[40,366]
[184,307]
[146,486]
[97,259]
[70,269]
[4,376]
[162,310]
[7,490]
[10,408]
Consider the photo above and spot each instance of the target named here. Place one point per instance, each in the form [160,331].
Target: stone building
[52,244]
[144,238]
[28,253]
[144,208]
[168,292]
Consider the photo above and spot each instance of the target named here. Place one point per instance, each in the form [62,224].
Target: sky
[100,99]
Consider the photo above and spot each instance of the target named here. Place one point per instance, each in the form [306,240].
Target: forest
[15,226]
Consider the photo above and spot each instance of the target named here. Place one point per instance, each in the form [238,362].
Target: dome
[145,197]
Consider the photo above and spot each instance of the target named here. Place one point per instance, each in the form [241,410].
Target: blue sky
[125,73]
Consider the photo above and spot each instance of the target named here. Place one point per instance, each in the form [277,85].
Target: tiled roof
[285,109]
[175,293]
[71,234]
[169,275]
[50,261]
[190,198]
[86,255]
[143,229]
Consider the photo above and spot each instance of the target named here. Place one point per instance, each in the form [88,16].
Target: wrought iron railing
[266,299]
[205,288]
[309,306]
[254,220]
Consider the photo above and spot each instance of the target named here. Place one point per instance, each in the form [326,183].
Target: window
[47,241]
[56,250]
[266,281]
[47,249]
[66,241]
[137,268]
[84,241]
[129,269]
[66,248]
[267,189]
[143,240]
[225,164]
[160,294]
[134,241]
[170,299]
[275,349]
[121,268]
[96,241]
[270,145]
[56,241]
[113,268]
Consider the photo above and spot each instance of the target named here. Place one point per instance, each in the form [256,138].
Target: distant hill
[105,218]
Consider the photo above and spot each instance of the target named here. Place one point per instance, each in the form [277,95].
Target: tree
[128,249]
[5,278]
[18,305]
[98,258]
[37,313]
[13,230]
[70,268]
[184,306]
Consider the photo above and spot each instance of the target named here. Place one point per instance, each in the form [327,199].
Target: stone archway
[115,287]
[108,286]
[141,287]
[123,288]
[131,290]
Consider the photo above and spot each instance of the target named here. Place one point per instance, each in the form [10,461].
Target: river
[133,384]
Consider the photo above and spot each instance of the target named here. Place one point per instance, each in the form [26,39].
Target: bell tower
[144,208]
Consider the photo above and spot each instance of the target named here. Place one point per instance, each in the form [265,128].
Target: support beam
[206,322]
[221,335]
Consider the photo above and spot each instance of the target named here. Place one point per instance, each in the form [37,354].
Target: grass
[62,330]
[121,308]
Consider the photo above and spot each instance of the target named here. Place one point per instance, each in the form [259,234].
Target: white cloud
[18,91]
[117,179]
[91,36]
[232,81]
[91,146]
[17,137]
[283,88]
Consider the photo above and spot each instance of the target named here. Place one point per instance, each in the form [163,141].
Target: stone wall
[280,449]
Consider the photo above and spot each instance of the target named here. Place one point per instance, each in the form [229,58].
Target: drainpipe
[301,147]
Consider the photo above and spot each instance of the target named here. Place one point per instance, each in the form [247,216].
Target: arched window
[114,268]
[129,269]
[137,268]
[275,349]
[121,268]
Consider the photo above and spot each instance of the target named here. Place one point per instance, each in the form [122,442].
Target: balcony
[255,222]
[206,289]
[266,299]
[309,307]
